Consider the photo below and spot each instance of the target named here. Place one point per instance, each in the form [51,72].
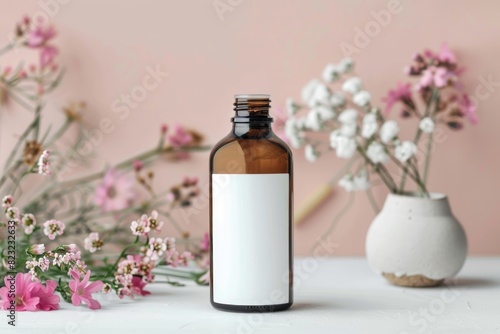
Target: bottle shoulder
[235,154]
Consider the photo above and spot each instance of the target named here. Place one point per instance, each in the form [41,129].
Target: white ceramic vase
[416,241]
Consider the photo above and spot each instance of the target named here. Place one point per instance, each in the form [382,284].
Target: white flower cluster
[353,125]
[323,105]
[355,183]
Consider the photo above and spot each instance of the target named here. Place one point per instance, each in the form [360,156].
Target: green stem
[427,157]
[418,135]
[9,173]
[6,48]
[177,274]
[60,132]
[122,254]
[21,139]
[128,162]
[382,172]
[173,221]
[415,176]
[371,198]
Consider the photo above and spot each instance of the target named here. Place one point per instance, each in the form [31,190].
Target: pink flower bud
[164,128]
[138,165]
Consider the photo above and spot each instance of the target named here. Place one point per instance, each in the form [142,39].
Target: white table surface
[336,295]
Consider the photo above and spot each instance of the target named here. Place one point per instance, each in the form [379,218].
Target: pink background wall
[271,47]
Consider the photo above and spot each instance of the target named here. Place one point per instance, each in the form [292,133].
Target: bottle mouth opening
[252,97]
[252,108]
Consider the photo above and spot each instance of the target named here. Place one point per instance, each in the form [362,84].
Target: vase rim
[435,196]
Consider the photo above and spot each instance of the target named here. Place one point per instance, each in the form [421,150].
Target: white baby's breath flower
[308,90]
[321,96]
[311,153]
[334,137]
[347,183]
[352,85]
[300,123]
[361,181]
[427,125]
[348,129]
[376,153]
[325,113]
[405,151]
[291,107]
[313,120]
[345,147]
[346,65]
[348,116]
[389,130]
[356,183]
[315,93]
[337,100]
[293,133]
[331,73]
[370,125]
[362,98]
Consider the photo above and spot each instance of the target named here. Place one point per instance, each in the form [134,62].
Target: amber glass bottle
[251,198]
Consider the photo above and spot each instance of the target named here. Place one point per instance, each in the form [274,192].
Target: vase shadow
[300,306]
[472,282]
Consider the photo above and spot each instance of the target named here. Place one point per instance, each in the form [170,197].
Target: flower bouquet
[345,120]
[59,230]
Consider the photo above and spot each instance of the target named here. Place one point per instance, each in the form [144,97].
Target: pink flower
[28,221]
[53,228]
[39,36]
[446,55]
[171,251]
[181,137]
[44,163]
[36,249]
[438,76]
[177,259]
[189,181]
[157,246]
[400,93]
[205,242]
[82,292]
[115,192]
[140,227]
[7,201]
[154,223]
[48,300]
[468,108]
[93,243]
[164,128]
[25,298]
[138,285]
[138,165]
[13,213]
[47,55]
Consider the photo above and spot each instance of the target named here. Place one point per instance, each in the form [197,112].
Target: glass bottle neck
[251,119]
[249,130]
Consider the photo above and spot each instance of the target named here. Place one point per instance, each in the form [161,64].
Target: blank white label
[250,231]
